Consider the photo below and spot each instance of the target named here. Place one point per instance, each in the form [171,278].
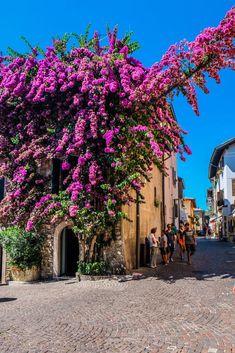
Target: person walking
[174,229]
[164,248]
[181,241]
[153,243]
[190,242]
[171,241]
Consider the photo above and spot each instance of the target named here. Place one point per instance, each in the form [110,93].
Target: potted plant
[24,253]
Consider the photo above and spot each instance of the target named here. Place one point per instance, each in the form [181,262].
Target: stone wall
[114,253]
[47,231]
[122,251]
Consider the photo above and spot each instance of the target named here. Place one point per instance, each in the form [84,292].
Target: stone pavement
[177,309]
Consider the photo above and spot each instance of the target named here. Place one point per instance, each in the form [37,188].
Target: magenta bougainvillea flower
[101,108]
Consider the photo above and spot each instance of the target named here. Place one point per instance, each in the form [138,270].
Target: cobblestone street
[179,308]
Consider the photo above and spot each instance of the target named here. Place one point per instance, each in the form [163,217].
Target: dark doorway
[69,252]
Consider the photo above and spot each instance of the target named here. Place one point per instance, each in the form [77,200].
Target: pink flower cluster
[101,108]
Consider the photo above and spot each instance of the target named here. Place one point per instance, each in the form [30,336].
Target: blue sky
[156,25]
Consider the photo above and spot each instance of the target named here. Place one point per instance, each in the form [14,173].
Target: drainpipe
[163,192]
[137,230]
[179,212]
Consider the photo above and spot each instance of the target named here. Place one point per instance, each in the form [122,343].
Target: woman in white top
[153,243]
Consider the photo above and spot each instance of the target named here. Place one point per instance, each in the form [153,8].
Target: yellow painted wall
[189,206]
[128,230]
[150,216]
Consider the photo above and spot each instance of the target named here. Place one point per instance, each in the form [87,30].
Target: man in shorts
[190,242]
[171,241]
[164,248]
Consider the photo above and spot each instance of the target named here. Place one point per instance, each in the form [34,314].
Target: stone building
[156,209]
[61,247]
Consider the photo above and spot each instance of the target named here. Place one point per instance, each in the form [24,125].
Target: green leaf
[15,140]
[51,130]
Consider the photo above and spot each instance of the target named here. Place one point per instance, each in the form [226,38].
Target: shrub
[23,248]
[94,268]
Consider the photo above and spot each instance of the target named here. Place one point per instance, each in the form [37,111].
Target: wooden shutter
[233,187]
[55,178]
[2,188]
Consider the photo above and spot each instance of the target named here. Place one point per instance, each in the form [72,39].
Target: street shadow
[3,300]
[49,280]
[213,259]
[172,276]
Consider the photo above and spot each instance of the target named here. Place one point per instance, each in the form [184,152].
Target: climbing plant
[101,106]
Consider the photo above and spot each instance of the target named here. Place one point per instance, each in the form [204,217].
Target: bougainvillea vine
[103,114]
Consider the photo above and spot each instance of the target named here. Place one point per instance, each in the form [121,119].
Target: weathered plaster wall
[171,190]
[150,216]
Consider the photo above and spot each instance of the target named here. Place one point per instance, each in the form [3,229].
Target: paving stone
[174,309]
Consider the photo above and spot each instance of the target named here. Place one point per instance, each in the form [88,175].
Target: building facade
[199,219]
[182,213]
[222,177]
[171,193]
[61,246]
[158,207]
[187,210]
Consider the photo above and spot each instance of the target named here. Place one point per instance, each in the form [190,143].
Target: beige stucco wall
[171,190]
[150,216]
[189,206]
[128,231]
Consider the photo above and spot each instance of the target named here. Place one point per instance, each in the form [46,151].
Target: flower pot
[26,275]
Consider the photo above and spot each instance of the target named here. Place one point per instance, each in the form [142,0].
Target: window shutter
[233,187]
[55,178]
[2,188]
[176,211]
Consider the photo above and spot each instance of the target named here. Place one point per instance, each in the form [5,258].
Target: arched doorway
[69,250]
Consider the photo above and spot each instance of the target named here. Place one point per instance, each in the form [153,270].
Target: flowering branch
[100,112]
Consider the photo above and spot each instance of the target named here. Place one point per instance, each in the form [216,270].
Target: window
[174,176]
[2,188]
[233,187]
[55,179]
[175,210]
[156,201]
[221,163]
[58,178]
